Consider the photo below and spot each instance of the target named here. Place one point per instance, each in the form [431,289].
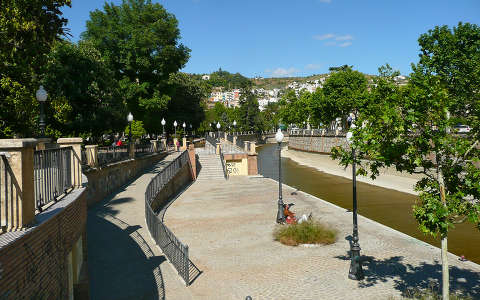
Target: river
[386,206]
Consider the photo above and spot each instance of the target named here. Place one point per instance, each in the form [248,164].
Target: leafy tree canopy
[84,97]
[27,30]
[139,41]
[228,80]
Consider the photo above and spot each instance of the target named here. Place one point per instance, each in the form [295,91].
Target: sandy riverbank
[388,178]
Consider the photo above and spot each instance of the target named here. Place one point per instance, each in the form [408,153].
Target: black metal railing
[52,171]
[9,192]
[222,159]
[211,139]
[172,247]
[112,154]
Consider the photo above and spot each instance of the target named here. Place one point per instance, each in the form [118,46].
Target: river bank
[389,178]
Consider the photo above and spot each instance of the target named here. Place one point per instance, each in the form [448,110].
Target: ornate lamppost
[356,271]
[41,96]
[175,125]
[184,132]
[280,215]
[218,129]
[130,119]
[163,126]
[234,126]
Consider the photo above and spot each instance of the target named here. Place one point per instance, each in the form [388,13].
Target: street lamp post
[163,126]
[184,132]
[356,271]
[280,215]
[175,125]
[41,96]
[130,119]
[218,129]
[191,131]
[234,126]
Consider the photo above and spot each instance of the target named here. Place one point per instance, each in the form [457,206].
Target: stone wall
[105,180]
[45,261]
[319,144]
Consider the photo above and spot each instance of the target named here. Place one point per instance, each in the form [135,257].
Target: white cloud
[313,66]
[281,72]
[335,40]
[325,1]
[346,37]
[346,44]
[324,36]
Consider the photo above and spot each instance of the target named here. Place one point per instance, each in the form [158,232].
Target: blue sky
[273,38]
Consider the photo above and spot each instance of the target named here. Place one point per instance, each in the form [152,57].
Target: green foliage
[84,97]
[345,91]
[139,41]
[27,30]
[249,114]
[410,128]
[228,80]
[137,129]
[308,232]
[186,103]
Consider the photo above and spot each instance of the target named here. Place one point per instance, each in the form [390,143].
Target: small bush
[309,232]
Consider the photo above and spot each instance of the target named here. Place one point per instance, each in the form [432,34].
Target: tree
[137,130]
[28,29]
[345,92]
[249,113]
[139,41]
[84,97]
[410,128]
[187,98]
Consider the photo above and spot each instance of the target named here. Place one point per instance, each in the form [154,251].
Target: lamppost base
[356,271]
[280,215]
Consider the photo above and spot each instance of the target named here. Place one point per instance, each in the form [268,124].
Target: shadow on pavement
[407,278]
[121,264]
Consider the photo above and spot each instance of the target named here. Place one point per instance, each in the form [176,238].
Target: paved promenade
[123,261]
[228,226]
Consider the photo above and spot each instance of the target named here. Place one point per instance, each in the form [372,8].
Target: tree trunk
[445,275]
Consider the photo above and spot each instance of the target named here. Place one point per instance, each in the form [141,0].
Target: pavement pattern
[228,226]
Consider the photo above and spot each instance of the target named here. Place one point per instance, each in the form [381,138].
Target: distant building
[205,77]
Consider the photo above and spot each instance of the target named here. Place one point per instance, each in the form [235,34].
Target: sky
[278,38]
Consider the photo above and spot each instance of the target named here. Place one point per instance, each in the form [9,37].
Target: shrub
[309,232]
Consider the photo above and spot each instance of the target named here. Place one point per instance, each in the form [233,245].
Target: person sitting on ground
[290,216]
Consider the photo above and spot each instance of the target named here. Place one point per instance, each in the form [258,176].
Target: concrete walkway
[123,260]
[228,226]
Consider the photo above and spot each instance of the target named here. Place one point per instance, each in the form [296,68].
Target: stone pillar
[164,144]
[175,140]
[234,140]
[217,148]
[131,150]
[193,162]
[184,144]
[252,164]
[21,197]
[154,145]
[225,135]
[92,155]
[42,142]
[76,161]
[253,149]
[246,144]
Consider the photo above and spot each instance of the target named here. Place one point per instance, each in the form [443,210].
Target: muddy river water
[386,206]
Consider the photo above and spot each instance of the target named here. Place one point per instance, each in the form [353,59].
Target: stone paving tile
[228,226]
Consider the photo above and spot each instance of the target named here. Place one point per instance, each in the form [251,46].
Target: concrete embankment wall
[103,181]
[318,144]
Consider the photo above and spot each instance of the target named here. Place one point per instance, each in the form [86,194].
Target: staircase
[211,166]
